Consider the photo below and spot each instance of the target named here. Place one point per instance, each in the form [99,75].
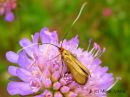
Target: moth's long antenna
[34,45]
[89,43]
[79,14]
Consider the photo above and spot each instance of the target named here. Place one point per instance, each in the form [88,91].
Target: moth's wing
[79,77]
[80,65]
[78,74]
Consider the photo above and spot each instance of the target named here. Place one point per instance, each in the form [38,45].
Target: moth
[79,72]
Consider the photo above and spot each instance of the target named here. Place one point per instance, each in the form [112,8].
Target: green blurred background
[111,31]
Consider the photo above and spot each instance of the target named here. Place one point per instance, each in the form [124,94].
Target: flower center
[68,78]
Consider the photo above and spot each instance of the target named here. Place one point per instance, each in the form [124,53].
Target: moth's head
[61,49]
[64,53]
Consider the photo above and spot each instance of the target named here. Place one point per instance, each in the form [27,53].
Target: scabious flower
[6,7]
[39,70]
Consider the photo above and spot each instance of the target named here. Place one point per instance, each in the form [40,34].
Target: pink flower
[6,7]
[40,75]
[107,12]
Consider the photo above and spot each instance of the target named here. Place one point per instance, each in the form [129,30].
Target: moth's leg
[62,67]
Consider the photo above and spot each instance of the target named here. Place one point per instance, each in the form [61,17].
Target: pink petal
[24,75]
[12,70]
[23,60]
[56,85]
[9,16]
[47,36]
[47,82]
[55,76]
[58,94]
[65,89]
[12,57]
[27,46]
[71,44]
[46,93]
[36,37]
[71,94]
[20,88]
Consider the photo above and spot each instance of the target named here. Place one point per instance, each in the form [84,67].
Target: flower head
[6,7]
[42,73]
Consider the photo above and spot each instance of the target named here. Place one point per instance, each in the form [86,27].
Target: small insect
[77,69]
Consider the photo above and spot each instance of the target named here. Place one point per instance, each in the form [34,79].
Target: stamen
[32,36]
[97,51]
[92,51]
[104,49]
[89,44]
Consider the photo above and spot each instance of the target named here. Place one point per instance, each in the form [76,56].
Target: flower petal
[2,10]
[24,75]
[55,76]
[23,60]
[56,85]
[25,42]
[9,16]
[65,89]
[20,88]
[35,46]
[12,70]
[58,94]
[74,42]
[71,44]
[36,37]
[12,57]
[72,94]
[27,46]
[46,82]
[48,37]
[46,93]
[96,61]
